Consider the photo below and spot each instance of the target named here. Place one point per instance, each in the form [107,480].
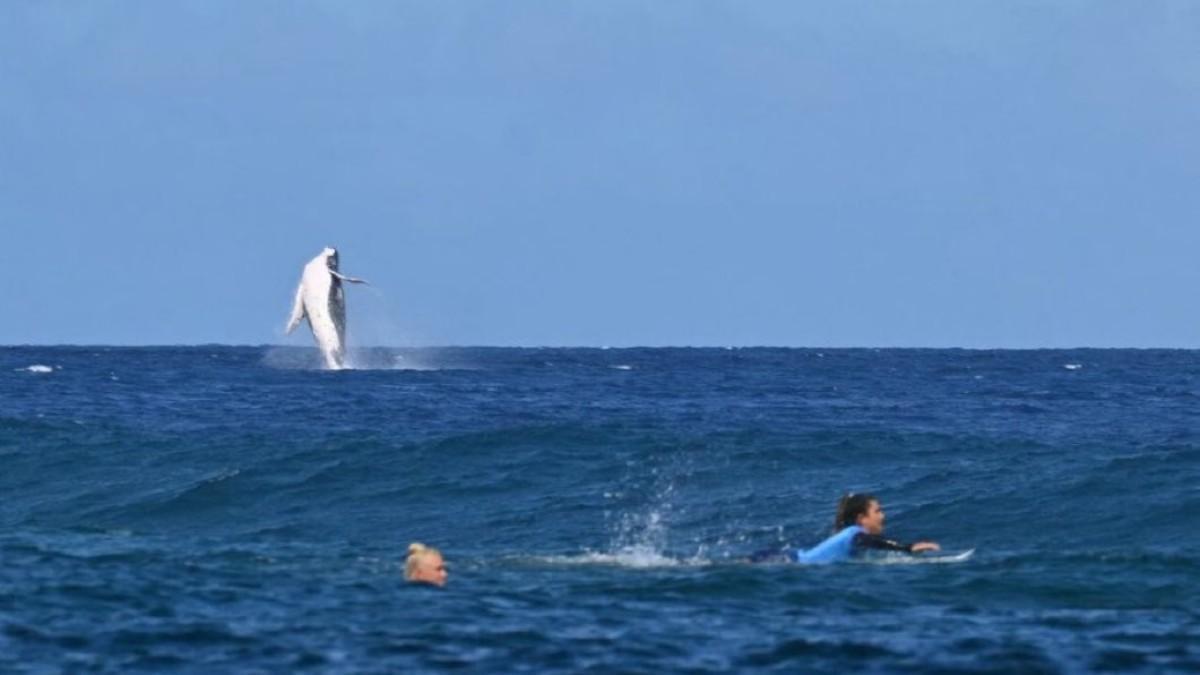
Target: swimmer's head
[424,564]
[859,508]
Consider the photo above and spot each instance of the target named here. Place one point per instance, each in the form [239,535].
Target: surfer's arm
[864,541]
[343,277]
[874,542]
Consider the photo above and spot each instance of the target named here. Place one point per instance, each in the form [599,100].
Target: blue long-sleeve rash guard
[843,545]
[846,544]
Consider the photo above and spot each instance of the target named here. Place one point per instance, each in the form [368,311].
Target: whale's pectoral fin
[297,310]
[343,277]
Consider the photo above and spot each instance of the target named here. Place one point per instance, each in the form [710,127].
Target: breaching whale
[320,298]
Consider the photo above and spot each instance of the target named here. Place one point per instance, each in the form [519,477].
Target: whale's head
[331,257]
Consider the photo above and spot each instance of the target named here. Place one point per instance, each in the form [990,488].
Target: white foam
[1072,366]
[634,557]
[622,367]
[223,474]
[402,362]
[288,358]
[36,368]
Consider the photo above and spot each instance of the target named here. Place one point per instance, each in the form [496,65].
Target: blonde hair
[416,551]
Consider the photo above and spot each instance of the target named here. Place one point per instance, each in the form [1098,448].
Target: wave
[366,359]
[387,359]
[211,497]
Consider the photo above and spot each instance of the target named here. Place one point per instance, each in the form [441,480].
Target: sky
[849,173]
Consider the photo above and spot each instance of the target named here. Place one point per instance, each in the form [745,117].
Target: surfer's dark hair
[850,507]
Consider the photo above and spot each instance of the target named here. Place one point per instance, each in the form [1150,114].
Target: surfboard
[950,557]
[944,557]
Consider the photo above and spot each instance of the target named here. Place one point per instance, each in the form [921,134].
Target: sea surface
[221,509]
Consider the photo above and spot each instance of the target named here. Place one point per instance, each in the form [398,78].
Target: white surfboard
[919,559]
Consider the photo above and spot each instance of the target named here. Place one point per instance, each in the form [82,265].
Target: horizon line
[267,345]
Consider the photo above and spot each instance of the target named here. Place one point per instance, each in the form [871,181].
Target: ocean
[235,509]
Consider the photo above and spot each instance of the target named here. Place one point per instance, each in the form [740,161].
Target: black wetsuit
[863,542]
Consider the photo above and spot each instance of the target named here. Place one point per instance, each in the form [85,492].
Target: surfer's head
[424,564]
[859,508]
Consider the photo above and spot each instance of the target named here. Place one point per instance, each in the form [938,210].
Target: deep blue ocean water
[234,509]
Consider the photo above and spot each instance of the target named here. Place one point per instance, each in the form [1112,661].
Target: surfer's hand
[922,546]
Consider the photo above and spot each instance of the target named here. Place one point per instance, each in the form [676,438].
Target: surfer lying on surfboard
[857,528]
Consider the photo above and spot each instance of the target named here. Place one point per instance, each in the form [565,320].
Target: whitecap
[37,368]
[1072,366]
[622,367]
[634,557]
[223,474]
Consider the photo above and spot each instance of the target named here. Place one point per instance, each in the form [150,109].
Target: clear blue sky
[843,173]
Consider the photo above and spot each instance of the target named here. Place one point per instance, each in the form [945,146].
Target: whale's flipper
[297,310]
[353,280]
